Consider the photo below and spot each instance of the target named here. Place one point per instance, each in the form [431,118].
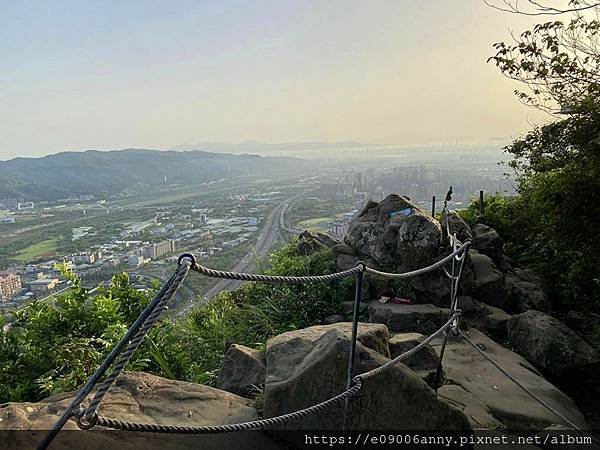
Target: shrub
[54,346]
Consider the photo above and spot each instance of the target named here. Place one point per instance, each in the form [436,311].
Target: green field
[320,224]
[44,248]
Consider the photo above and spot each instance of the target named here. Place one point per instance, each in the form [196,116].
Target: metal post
[85,390]
[357,296]
[433,206]
[439,371]
[481,208]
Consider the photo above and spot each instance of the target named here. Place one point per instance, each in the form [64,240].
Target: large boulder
[487,241]
[488,284]
[242,370]
[396,235]
[308,366]
[395,232]
[424,359]
[140,397]
[529,275]
[372,335]
[309,242]
[526,295]
[489,399]
[549,344]
[425,318]
[496,322]
[467,305]
[457,225]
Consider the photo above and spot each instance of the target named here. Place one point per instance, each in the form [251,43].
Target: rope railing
[228,428]
[504,372]
[278,420]
[462,250]
[88,418]
[277,278]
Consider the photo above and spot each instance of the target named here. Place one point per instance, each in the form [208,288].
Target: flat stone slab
[308,366]
[420,318]
[424,359]
[145,398]
[488,397]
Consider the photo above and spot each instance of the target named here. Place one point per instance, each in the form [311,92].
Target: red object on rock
[402,301]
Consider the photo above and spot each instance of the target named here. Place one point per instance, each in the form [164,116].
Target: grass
[311,222]
[44,248]
[320,224]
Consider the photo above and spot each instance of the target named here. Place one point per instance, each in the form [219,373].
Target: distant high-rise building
[43,286]
[156,250]
[10,285]
[360,186]
[135,260]
[203,216]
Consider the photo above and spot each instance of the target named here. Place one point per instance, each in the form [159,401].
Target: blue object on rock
[404,212]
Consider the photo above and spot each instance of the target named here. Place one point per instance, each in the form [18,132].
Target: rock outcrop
[491,400]
[487,241]
[424,359]
[549,344]
[140,397]
[308,366]
[529,294]
[424,318]
[242,370]
[396,235]
[309,242]
[456,225]
[496,322]
[395,231]
[488,282]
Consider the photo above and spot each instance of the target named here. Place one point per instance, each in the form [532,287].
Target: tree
[538,8]
[558,164]
[54,345]
[558,60]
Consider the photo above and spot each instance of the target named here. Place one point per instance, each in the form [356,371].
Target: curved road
[264,242]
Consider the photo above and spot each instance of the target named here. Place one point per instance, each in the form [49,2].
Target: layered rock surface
[139,397]
[242,370]
[308,366]
[491,400]
[396,235]
[550,344]
[424,318]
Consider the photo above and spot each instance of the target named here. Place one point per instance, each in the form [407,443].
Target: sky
[109,74]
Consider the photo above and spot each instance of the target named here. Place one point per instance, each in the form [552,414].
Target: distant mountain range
[109,172]
[262,147]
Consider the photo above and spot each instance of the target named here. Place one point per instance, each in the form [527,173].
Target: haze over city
[79,75]
[223,221]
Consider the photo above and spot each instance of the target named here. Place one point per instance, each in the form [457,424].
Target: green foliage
[54,345]
[552,224]
[550,228]
[557,61]
[250,315]
[501,213]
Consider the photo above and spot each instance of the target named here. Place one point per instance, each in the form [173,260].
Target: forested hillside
[109,172]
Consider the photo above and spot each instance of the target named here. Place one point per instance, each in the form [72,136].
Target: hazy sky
[154,74]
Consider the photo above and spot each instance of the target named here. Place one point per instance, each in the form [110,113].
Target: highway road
[274,223]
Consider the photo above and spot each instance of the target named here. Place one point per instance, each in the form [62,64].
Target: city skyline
[75,76]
